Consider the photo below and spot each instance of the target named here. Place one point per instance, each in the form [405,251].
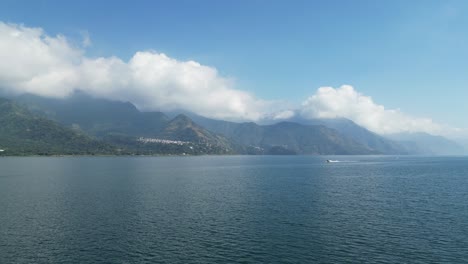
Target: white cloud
[33,62]
[86,39]
[346,102]
[286,114]
[36,63]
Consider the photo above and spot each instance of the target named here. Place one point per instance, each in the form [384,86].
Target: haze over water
[236,209]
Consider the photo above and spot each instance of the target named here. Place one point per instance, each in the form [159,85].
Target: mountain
[23,133]
[97,117]
[122,124]
[310,140]
[289,136]
[358,133]
[401,144]
[426,144]
[183,128]
[249,133]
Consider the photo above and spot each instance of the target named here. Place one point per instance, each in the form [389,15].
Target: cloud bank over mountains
[348,103]
[34,62]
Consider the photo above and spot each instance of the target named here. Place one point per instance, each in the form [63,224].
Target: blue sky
[408,55]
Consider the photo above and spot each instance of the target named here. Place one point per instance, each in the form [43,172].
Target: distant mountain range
[249,133]
[84,125]
[425,144]
[359,134]
[106,119]
[122,125]
[22,133]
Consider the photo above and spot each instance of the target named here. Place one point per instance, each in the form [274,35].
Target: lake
[234,209]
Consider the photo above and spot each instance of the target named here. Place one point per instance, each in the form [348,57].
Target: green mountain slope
[178,136]
[122,124]
[287,137]
[249,133]
[183,128]
[359,134]
[22,133]
[316,140]
[97,117]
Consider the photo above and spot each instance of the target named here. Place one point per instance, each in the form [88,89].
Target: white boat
[332,161]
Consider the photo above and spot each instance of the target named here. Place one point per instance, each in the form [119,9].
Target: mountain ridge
[121,123]
[23,133]
[423,143]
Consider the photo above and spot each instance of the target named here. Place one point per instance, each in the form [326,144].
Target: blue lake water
[234,209]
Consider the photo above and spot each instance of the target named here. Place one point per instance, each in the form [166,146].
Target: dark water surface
[241,209]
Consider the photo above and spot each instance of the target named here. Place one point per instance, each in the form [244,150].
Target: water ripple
[233,210]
